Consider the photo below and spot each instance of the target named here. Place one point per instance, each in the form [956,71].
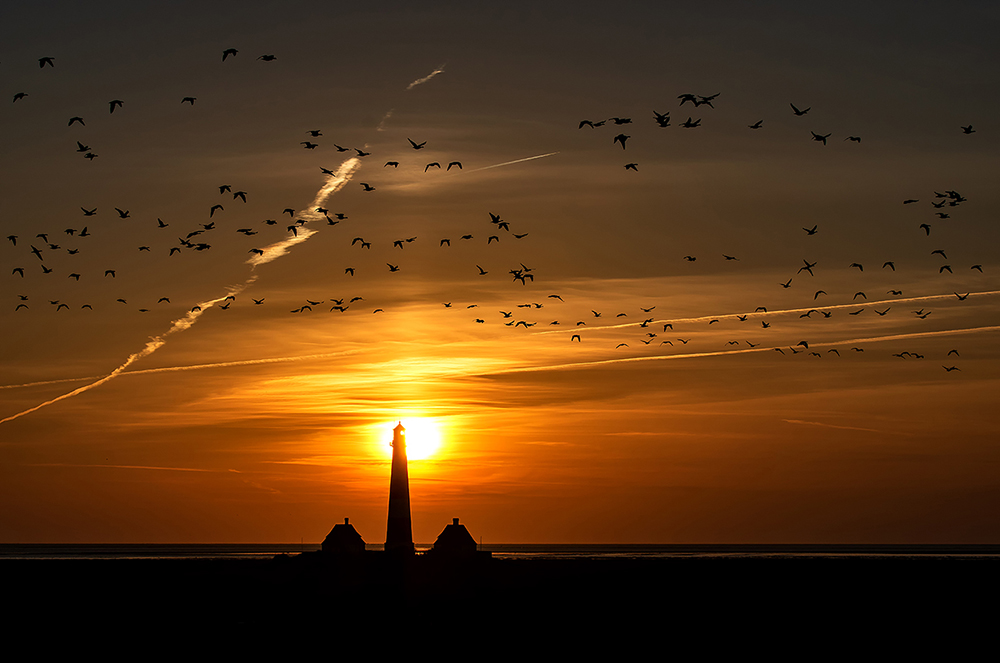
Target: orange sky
[256,424]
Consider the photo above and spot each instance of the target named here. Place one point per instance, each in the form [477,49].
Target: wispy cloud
[421,81]
[385,118]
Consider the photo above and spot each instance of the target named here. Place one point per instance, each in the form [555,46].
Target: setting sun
[423,437]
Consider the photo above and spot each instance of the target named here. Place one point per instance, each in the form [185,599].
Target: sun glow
[423,437]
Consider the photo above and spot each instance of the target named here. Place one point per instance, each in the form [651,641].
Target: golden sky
[147,421]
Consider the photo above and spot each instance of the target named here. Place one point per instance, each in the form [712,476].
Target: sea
[81,551]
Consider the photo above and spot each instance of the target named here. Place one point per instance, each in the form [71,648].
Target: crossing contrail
[333,184]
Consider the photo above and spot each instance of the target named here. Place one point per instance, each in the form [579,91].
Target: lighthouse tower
[399,531]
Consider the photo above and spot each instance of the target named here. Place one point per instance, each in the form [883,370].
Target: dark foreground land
[715,604]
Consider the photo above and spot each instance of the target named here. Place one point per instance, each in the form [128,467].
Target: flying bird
[417,146]
[798,112]
[115,103]
[189,100]
[229,51]
[46,61]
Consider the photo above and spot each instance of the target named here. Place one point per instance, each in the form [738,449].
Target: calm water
[501,551]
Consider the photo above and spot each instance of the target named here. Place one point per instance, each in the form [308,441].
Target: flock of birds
[50,254]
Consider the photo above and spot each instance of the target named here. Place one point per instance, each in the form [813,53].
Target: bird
[949,369]
[890,264]
[211,212]
[417,146]
[575,337]
[46,61]
[968,130]
[856,139]
[394,164]
[80,147]
[620,138]
[189,100]
[109,272]
[393,268]
[309,146]
[367,187]
[808,267]
[72,120]
[361,153]
[482,272]
[115,103]
[786,284]
[229,51]
[811,231]
[433,163]
[944,267]
[799,112]
[977,267]
[267,58]
[690,124]
[632,166]
[858,265]
[910,201]
[454,163]
[315,133]
[757,124]
[926,228]
[820,137]
[882,312]
[19,96]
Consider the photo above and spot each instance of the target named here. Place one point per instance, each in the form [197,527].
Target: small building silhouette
[343,539]
[455,541]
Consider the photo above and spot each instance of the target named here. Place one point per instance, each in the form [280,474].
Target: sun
[423,437]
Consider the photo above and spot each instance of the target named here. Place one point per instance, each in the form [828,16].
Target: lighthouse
[399,531]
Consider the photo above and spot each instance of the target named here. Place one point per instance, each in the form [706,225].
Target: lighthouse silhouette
[399,530]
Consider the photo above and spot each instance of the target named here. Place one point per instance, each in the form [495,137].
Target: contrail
[723,353]
[761,314]
[191,367]
[333,184]
[507,163]
[420,81]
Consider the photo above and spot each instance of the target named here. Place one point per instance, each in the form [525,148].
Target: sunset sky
[255,423]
